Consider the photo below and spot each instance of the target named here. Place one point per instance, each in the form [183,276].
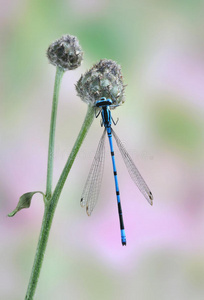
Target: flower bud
[104,79]
[65,53]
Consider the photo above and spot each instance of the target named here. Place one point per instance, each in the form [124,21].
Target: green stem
[52,204]
[58,77]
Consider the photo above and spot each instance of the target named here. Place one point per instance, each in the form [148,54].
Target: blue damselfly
[93,183]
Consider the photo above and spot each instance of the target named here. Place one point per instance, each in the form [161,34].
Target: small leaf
[24,202]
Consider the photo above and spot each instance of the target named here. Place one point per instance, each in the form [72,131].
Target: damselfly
[93,183]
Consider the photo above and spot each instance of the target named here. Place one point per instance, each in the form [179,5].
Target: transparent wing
[93,183]
[133,171]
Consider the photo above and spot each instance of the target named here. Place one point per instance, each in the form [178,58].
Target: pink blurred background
[160,47]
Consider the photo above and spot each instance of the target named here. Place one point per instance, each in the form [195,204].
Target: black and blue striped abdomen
[123,236]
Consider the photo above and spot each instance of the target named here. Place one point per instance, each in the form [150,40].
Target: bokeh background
[160,46]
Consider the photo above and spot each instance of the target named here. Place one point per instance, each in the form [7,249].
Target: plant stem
[52,204]
[58,77]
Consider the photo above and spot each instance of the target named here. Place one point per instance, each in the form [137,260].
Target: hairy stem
[51,206]
[58,77]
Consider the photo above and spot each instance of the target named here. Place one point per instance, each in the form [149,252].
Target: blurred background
[160,46]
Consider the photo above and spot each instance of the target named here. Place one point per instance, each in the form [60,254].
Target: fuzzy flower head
[65,53]
[104,79]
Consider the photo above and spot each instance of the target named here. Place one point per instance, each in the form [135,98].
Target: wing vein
[93,183]
[133,171]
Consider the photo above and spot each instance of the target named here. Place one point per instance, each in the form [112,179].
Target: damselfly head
[103,102]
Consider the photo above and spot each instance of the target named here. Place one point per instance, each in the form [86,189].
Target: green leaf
[24,202]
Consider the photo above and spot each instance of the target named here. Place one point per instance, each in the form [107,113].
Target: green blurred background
[160,46]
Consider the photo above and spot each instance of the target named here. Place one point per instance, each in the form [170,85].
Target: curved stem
[58,77]
[51,206]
